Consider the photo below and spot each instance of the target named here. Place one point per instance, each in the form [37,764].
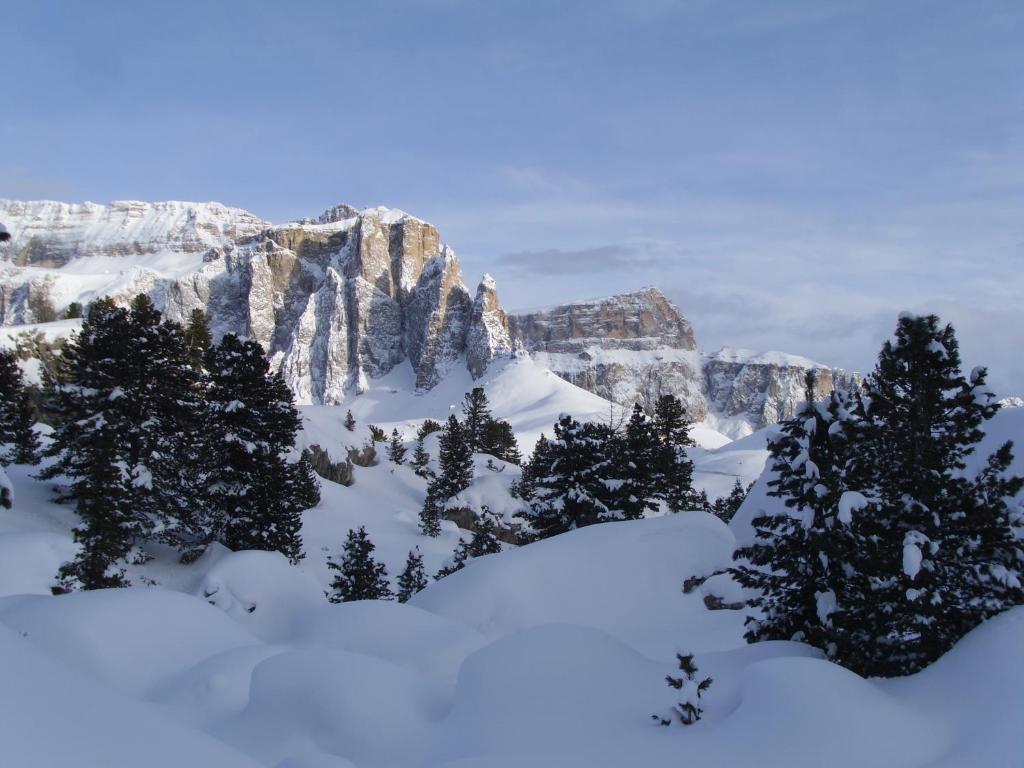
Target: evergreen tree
[500,441]
[420,461]
[538,466]
[350,421]
[430,514]
[688,709]
[306,483]
[455,460]
[801,561]
[641,461]
[671,422]
[484,541]
[575,490]
[396,450]
[457,561]
[128,410]
[477,413]
[939,552]
[359,576]
[726,507]
[74,311]
[256,494]
[413,577]
[19,443]
[197,338]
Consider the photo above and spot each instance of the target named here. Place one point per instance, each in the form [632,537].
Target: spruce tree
[197,338]
[257,495]
[350,421]
[938,547]
[671,422]
[675,469]
[420,461]
[726,507]
[74,311]
[19,443]
[413,577]
[500,441]
[456,562]
[455,460]
[477,416]
[359,576]
[430,514]
[641,460]
[575,490]
[128,410]
[484,541]
[688,710]
[800,564]
[396,450]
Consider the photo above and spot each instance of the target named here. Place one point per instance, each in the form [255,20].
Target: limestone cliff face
[335,300]
[766,388]
[349,296]
[629,348]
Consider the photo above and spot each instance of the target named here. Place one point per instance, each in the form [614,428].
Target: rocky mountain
[352,295]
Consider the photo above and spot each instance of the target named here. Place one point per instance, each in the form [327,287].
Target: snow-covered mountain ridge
[351,294]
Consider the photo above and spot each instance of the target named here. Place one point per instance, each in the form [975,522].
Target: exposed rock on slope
[351,295]
[627,348]
[765,388]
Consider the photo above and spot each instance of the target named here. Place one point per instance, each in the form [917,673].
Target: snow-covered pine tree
[256,493]
[430,514]
[413,577]
[197,338]
[675,469]
[641,462]
[477,415]
[725,507]
[396,449]
[940,549]
[19,443]
[456,562]
[539,465]
[484,542]
[800,561]
[89,448]
[455,460]
[350,421]
[575,490]
[420,461]
[687,710]
[359,576]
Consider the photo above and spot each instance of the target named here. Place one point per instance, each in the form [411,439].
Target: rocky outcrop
[629,348]
[335,300]
[348,296]
[489,336]
[765,388]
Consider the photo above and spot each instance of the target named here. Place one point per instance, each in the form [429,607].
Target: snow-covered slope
[552,654]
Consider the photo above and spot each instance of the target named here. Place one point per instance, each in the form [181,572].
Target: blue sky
[793,174]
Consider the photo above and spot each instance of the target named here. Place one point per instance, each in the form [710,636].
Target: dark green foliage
[396,450]
[19,443]
[430,514]
[197,338]
[671,422]
[675,468]
[477,414]
[801,562]
[498,440]
[73,311]
[420,459]
[128,417]
[643,464]
[940,552]
[688,710]
[429,426]
[413,578]
[257,496]
[725,507]
[350,421]
[359,576]
[569,486]
[455,461]
[377,434]
[307,486]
